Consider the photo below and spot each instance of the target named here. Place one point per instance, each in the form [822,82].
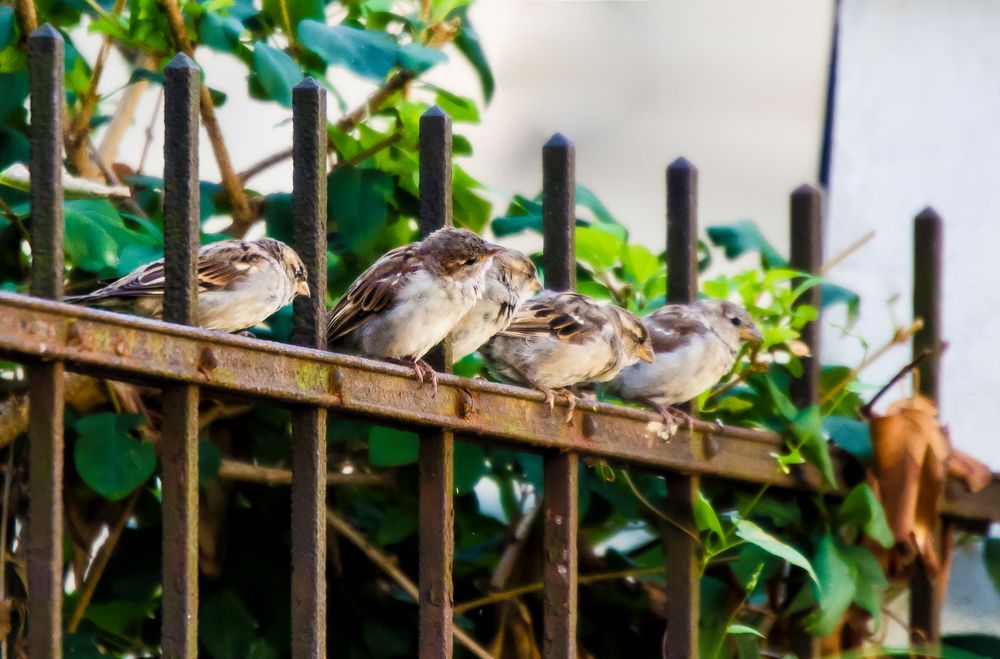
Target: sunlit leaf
[750,532]
[367,53]
[276,72]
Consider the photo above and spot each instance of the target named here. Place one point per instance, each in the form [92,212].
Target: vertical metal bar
[180,423]
[559,214]
[807,255]
[562,470]
[309,424]
[683,589]
[45,425]
[437,448]
[805,211]
[926,596]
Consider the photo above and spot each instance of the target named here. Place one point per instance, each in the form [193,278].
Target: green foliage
[108,456]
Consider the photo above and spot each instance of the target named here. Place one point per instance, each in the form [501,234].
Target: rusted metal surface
[437,447]
[559,202]
[151,352]
[561,493]
[45,419]
[309,466]
[806,232]
[683,573]
[926,595]
[181,226]
[807,256]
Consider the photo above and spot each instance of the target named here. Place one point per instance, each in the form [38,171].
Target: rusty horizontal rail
[146,351]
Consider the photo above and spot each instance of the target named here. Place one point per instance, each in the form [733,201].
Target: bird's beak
[751,334]
[646,354]
[302,288]
[535,284]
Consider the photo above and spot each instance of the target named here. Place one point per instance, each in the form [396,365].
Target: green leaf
[209,463]
[742,629]
[852,435]
[367,53]
[598,246]
[585,197]
[807,428]
[470,466]
[744,237]
[469,45]
[119,617]
[419,59]
[88,242]
[15,91]
[967,646]
[358,205]
[278,216]
[832,294]
[108,458]
[221,33]
[862,508]
[8,31]
[640,264]
[226,628]
[835,588]
[991,558]
[261,649]
[781,401]
[514,224]
[388,447]
[460,108]
[296,10]
[276,72]
[870,584]
[705,518]
[750,532]
[398,524]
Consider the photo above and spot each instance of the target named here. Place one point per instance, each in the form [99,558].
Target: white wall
[917,105]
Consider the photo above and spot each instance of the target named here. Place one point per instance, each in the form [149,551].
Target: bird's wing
[220,265]
[567,316]
[375,290]
[672,327]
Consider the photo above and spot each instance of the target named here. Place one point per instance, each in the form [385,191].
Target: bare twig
[243,215]
[901,336]
[122,118]
[149,132]
[583,580]
[235,470]
[510,554]
[853,247]
[345,124]
[100,562]
[387,565]
[866,410]
[79,128]
[656,511]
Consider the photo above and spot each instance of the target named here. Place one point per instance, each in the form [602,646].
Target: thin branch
[345,124]
[235,470]
[853,247]
[866,410]
[387,565]
[100,562]
[26,18]
[79,128]
[243,215]
[902,335]
[583,580]
[149,132]
[122,118]
[656,511]
[513,550]
[370,151]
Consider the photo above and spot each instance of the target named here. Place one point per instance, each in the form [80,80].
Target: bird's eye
[469,261]
[736,321]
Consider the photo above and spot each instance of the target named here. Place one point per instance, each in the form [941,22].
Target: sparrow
[511,279]
[695,344]
[412,297]
[240,283]
[557,340]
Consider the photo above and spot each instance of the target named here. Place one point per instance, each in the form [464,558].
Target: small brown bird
[411,298]
[509,282]
[695,344]
[557,340]
[240,284]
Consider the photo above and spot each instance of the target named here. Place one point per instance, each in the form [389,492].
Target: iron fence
[184,361]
